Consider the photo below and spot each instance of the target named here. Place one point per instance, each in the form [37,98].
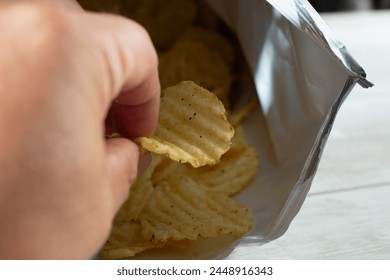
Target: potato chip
[207,18]
[139,194]
[125,241]
[232,173]
[216,43]
[196,61]
[182,209]
[192,127]
[165,20]
[239,116]
[165,168]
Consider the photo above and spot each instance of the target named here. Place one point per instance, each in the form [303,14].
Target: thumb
[124,162]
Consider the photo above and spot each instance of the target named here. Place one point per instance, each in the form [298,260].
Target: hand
[61,68]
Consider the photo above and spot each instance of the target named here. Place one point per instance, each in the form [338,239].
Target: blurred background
[346,5]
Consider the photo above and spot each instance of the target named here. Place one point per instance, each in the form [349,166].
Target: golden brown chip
[197,62]
[192,127]
[182,209]
[165,20]
[216,43]
[239,116]
[207,18]
[232,173]
[165,168]
[139,194]
[126,241]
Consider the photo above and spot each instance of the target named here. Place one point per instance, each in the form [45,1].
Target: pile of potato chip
[173,204]
[200,156]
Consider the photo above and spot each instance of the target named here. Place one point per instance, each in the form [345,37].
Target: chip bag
[299,73]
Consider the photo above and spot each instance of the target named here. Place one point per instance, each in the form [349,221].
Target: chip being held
[192,127]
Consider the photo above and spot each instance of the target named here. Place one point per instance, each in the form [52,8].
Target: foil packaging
[301,75]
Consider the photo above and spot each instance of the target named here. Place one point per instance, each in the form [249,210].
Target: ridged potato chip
[165,20]
[198,62]
[192,126]
[166,167]
[207,18]
[232,173]
[180,209]
[240,115]
[126,241]
[139,194]
[215,42]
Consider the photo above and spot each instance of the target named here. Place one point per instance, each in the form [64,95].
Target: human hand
[61,182]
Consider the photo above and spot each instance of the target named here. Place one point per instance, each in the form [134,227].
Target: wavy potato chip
[192,126]
[180,209]
[232,173]
[139,194]
[196,61]
[126,241]
[165,20]
[240,115]
[216,43]
[166,167]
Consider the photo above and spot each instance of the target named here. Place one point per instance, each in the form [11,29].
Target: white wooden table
[347,212]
